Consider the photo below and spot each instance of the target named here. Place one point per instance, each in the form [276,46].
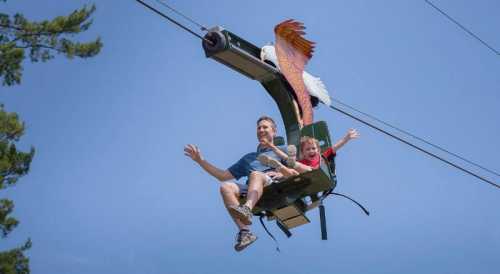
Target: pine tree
[39,41]
[22,39]
[13,165]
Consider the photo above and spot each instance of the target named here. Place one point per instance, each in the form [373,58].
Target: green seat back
[319,131]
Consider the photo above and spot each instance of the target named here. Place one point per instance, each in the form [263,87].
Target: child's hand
[274,175]
[352,134]
[266,142]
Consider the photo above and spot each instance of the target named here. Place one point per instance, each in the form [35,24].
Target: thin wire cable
[416,137]
[175,22]
[203,28]
[463,27]
[337,109]
[416,147]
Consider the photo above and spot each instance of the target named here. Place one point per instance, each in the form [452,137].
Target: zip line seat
[288,200]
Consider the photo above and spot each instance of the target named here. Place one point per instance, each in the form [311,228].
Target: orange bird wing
[293,52]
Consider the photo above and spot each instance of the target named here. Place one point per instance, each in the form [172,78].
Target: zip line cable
[416,147]
[203,28]
[416,137]
[462,27]
[337,109]
[175,22]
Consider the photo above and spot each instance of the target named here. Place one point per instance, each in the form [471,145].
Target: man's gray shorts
[244,187]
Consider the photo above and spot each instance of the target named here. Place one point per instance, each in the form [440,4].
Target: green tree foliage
[14,261]
[13,165]
[21,38]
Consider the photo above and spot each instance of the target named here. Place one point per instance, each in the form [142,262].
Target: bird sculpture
[290,55]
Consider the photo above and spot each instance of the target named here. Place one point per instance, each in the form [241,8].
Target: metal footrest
[291,216]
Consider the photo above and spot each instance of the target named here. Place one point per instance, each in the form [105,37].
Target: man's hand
[193,152]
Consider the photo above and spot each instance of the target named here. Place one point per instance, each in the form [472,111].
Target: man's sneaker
[244,239]
[268,161]
[292,156]
[243,213]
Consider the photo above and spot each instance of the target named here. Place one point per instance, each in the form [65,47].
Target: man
[258,175]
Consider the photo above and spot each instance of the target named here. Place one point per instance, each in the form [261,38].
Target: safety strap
[351,199]
[283,228]
[322,215]
[322,221]
[269,233]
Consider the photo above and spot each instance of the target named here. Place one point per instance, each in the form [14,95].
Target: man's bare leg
[287,172]
[230,193]
[271,162]
[301,168]
[256,182]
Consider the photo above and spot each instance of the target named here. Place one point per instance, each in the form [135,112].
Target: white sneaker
[292,156]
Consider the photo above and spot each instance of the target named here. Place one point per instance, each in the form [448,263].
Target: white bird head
[268,53]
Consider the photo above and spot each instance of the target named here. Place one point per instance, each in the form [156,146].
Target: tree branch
[39,46]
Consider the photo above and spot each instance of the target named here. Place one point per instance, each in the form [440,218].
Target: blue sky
[110,190]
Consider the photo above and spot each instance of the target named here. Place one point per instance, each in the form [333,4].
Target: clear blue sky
[110,190]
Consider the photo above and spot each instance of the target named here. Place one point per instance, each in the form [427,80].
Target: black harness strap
[351,199]
[322,221]
[269,233]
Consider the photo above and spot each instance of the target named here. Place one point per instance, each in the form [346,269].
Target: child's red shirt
[314,163]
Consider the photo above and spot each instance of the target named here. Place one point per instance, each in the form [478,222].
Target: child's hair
[308,140]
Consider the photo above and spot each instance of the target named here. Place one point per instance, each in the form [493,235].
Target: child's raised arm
[351,134]
[276,150]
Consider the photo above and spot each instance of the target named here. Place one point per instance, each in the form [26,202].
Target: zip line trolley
[287,201]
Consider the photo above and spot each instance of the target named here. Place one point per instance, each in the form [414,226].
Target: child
[310,153]
[310,149]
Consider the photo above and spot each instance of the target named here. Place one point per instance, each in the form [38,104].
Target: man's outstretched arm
[194,153]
